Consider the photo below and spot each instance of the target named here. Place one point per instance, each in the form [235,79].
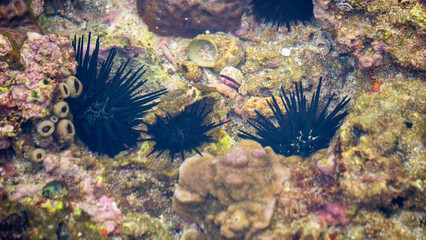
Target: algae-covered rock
[382,145]
[242,186]
[191,71]
[142,226]
[402,224]
[39,222]
[305,54]
[370,29]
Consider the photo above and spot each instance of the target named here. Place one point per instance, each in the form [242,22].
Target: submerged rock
[369,30]
[243,184]
[381,146]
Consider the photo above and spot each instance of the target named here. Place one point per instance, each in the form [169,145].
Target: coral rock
[382,145]
[368,30]
[47,54]
[104,212]
[259,104]
[334,214]
[17,18]
[306,191]
[31,93]
[5,45]
[243,183]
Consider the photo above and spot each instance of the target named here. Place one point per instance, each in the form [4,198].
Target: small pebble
[286,52]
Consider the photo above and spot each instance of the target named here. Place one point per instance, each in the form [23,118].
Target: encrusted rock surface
[371,30]
[235,192]
[189,18]
[381,146]
[18,17]
[28,95]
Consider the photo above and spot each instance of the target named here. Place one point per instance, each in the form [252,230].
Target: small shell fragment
[286,52]
[231,76]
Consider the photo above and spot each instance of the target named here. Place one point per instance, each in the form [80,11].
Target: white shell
[286,52]
[232,73]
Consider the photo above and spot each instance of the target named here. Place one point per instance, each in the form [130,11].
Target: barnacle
[45,128]
[64,90]
[65,130]
[61,109]
[74,85]
[37,155]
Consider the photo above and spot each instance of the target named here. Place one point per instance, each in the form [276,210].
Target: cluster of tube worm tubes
[59,124]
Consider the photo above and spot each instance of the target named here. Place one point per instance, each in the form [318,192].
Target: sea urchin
[109,110]
[183,132]
[282,12]
[302,130]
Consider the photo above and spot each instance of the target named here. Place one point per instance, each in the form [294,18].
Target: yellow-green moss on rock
[382,144]
[142,226]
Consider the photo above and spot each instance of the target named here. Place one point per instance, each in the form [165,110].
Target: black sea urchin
[109,109]
[183,132]
[282,12]
[300,131]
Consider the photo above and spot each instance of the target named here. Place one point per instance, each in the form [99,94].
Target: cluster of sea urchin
[183,132]
[303,129]
[109,110]
[282,12]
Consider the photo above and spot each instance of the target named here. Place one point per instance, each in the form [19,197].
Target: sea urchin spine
[282,12]
[302,130]
[109,110]
[183,132]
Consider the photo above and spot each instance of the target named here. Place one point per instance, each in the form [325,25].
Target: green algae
[42,84]
[35,95]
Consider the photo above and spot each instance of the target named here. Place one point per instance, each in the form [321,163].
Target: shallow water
[361,176]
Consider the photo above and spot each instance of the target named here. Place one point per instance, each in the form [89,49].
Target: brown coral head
[11,9]
[17,18]
[236,158]
[187,18]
